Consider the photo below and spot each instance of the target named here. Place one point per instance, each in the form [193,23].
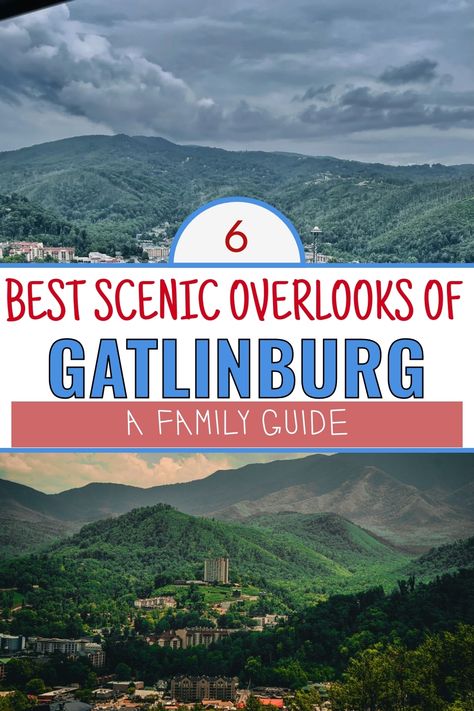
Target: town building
[205,636]
[216,570]
[102,694]
[167,638]
[12,644]
[192,637]
[319,258]
[155,252]
[95,654]
[99,258]
[72,648]
[59,693]
[120,687]
[188,689]
[37,250]
[263,621]
[160,602]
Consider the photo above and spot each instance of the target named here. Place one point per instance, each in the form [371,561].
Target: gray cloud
[321,92]
[419,70]
[245,74]
[49,58]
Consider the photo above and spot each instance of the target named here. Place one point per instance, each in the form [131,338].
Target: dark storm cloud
[420,70]
[362,97]
[243,72]
[321,92]
[384,113]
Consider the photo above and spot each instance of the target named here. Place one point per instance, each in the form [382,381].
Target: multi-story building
[95,654]
[155,251]
[205,636]
[62,254]
[155,603]
[263,621]
[11,644]
[188,689]
[37,250]
[192,637]
[216,570]
[50,645]
[166,639]
[72,648]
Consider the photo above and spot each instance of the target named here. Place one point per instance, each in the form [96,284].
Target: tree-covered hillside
[117,186]
[92,578]
[445,558]
[318,641]
[21,219]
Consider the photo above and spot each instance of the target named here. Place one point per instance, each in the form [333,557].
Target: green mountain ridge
[446,559]
[21,219]
[98,571]
[412,500]
[93,577]
[116,186]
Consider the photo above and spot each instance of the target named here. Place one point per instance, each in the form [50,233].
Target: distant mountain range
[98,192]
[414,501]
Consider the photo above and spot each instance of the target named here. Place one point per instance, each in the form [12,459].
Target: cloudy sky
[368,80]
[57,472]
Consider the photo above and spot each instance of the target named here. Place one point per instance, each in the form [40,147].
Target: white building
[71,648]
[37,250]
[155,603]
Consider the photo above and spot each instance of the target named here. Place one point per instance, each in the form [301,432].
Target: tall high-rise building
[216,570]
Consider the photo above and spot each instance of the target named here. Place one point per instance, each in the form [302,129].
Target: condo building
[196,688]
[216,570]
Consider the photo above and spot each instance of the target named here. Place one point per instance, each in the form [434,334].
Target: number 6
[234,232]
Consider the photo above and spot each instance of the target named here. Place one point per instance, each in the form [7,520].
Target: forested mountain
[413,500]
[116,186]
[98,572]
[21,219]
[92,578]
[319,640]
[445,559]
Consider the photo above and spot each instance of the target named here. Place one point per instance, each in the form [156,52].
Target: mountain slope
[329,534]
[375,500]
[445,559]
[116,186]
[21,219]
[24,529]
[100,570]
[418,500]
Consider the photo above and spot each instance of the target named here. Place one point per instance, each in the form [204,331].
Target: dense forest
[91,579]
[317,642]
[106,189]
[436,675]
[409,649]
[394,640]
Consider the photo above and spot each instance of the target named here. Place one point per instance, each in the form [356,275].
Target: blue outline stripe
[237,198]
[237,265]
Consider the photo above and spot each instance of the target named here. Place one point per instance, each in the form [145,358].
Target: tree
[304,700]
[35,686]
[253,704]
[123,671]
[18,672]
